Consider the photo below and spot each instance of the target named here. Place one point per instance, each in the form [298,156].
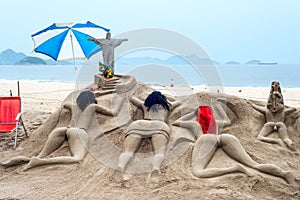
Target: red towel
[207,120]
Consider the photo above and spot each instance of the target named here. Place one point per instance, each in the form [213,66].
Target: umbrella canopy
[67,41]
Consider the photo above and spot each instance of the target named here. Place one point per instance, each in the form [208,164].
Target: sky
[239,30]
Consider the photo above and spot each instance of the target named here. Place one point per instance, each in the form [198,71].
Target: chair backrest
[10,107]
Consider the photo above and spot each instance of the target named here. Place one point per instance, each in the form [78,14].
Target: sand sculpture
[189,158]
[275,115]
[153,125]
[209,140]
[108,45]
[83,112]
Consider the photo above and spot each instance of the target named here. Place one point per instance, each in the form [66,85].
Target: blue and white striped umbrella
[68,41]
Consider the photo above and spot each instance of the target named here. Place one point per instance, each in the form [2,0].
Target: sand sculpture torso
[154,121]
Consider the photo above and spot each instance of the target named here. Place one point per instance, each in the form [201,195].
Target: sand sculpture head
[275,100]
[84,99]
[108,35]
[156,97]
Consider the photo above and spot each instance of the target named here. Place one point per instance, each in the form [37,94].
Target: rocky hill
[10,57]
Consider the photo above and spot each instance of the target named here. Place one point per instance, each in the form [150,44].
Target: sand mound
[91,178]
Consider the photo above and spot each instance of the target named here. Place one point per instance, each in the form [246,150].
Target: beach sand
[48,96]
[41,99]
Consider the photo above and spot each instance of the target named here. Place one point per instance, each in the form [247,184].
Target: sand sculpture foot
[118,176]
[18,160]
[292,146]
[290,178]
[34,162]
[154,176]
[242,169]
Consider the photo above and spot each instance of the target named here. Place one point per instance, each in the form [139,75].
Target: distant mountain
[139,61]
[176,60]
[10,57]
[191,58]
[53,62]
[31,61]
[252,62]
[171,60]
[232,63]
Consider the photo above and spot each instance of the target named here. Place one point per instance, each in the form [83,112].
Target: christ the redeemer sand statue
[108,45]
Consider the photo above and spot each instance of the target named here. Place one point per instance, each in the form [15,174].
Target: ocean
[236,75]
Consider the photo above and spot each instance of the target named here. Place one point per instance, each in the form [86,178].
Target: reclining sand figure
[207,144]
[153,125]
[275,114]
[75,134]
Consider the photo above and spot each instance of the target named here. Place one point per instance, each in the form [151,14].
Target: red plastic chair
[11,115]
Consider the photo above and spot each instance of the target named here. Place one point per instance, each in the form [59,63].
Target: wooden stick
[18,89]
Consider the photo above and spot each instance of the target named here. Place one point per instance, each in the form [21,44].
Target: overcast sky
[240,30]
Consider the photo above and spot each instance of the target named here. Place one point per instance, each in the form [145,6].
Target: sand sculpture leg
[131,144]
[233,148]
[204,150]
[159,143]
[77,139]
[18,160]
[267,129]
[55,140]
[282,131]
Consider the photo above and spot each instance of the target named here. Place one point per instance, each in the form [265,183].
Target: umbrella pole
[75,67]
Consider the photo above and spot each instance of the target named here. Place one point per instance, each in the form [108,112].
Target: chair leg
[16,136]
[16,129]
[22,123]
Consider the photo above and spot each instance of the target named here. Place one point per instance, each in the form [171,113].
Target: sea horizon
[235,75]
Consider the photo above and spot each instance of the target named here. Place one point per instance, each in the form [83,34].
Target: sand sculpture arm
[103,110]
[96,41]
[117,104]
[109,111]
[175,104]
[258,108]
[289,110]
[118,42]
[137,102]
[188,122]
[68,106]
